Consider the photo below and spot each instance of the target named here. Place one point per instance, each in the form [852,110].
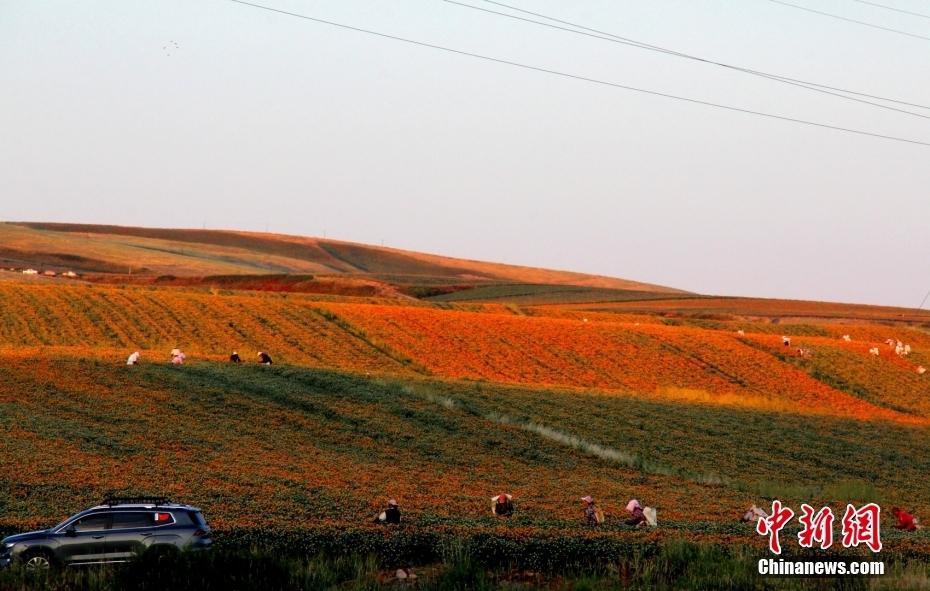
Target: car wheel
[37,562]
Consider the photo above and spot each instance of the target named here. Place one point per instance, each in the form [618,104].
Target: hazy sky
[256,120]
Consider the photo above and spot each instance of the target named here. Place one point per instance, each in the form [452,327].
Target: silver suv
[113,531]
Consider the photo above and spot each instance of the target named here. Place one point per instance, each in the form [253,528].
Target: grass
[461,565]
[535,294]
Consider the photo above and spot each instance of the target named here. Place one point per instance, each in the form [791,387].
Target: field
[89,426]
[638,356]
[758,308]
[532,294]
[331,446]
[549,392]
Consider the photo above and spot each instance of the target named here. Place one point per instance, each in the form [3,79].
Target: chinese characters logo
[860,526]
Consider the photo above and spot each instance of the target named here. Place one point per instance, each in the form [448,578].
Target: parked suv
[113,531]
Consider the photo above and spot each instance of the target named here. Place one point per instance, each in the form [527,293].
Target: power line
[924,301]
[604,36]
[851,20]
[585,78]
[697,58]
[920,14]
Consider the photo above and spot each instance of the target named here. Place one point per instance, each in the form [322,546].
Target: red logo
[861,527]
[817,527]
[773,524]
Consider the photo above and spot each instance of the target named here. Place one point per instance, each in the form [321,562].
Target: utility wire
[638,44]
[924,301]
[585,78]
[698,58]
[851,20]
[920,14]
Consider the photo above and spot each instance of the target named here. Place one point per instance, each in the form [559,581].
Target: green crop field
[299,460]
[533,294]
[330,447]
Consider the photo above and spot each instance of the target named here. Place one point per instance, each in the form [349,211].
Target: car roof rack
[111,501]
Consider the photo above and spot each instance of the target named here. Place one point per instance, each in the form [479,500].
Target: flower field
[330,447]
[758,307]
[444,405]
[645,358]
[635,354]
[116,320]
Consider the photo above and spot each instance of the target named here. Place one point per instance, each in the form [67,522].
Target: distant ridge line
[318,255]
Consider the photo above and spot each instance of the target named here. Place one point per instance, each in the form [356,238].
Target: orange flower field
[445,405]
[632,354]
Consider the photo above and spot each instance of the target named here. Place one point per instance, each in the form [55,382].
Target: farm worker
[264,358]
[502,505]
[234,358]
[391,513]
[906,521]
[592,513]
[177,357]
[754,514]
[640,515]
[636,513]
[133,359]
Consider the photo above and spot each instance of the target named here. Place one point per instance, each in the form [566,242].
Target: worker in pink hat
[636,513]
[391,513]
[592,513]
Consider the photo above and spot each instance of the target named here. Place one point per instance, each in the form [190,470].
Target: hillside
[150,252]
[692,404]
[771,310]
[640,355]
[331,446]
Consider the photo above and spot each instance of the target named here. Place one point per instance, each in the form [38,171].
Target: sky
[209,113]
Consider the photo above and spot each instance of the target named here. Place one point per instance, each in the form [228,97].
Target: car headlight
[8,545]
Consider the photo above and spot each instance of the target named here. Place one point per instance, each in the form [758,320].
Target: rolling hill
[440,382]
[150,253]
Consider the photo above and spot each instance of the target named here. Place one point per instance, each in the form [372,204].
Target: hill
[442,389]
[152,253]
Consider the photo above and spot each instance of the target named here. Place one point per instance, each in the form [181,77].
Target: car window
[95,522]
[198,518]
[131,519]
